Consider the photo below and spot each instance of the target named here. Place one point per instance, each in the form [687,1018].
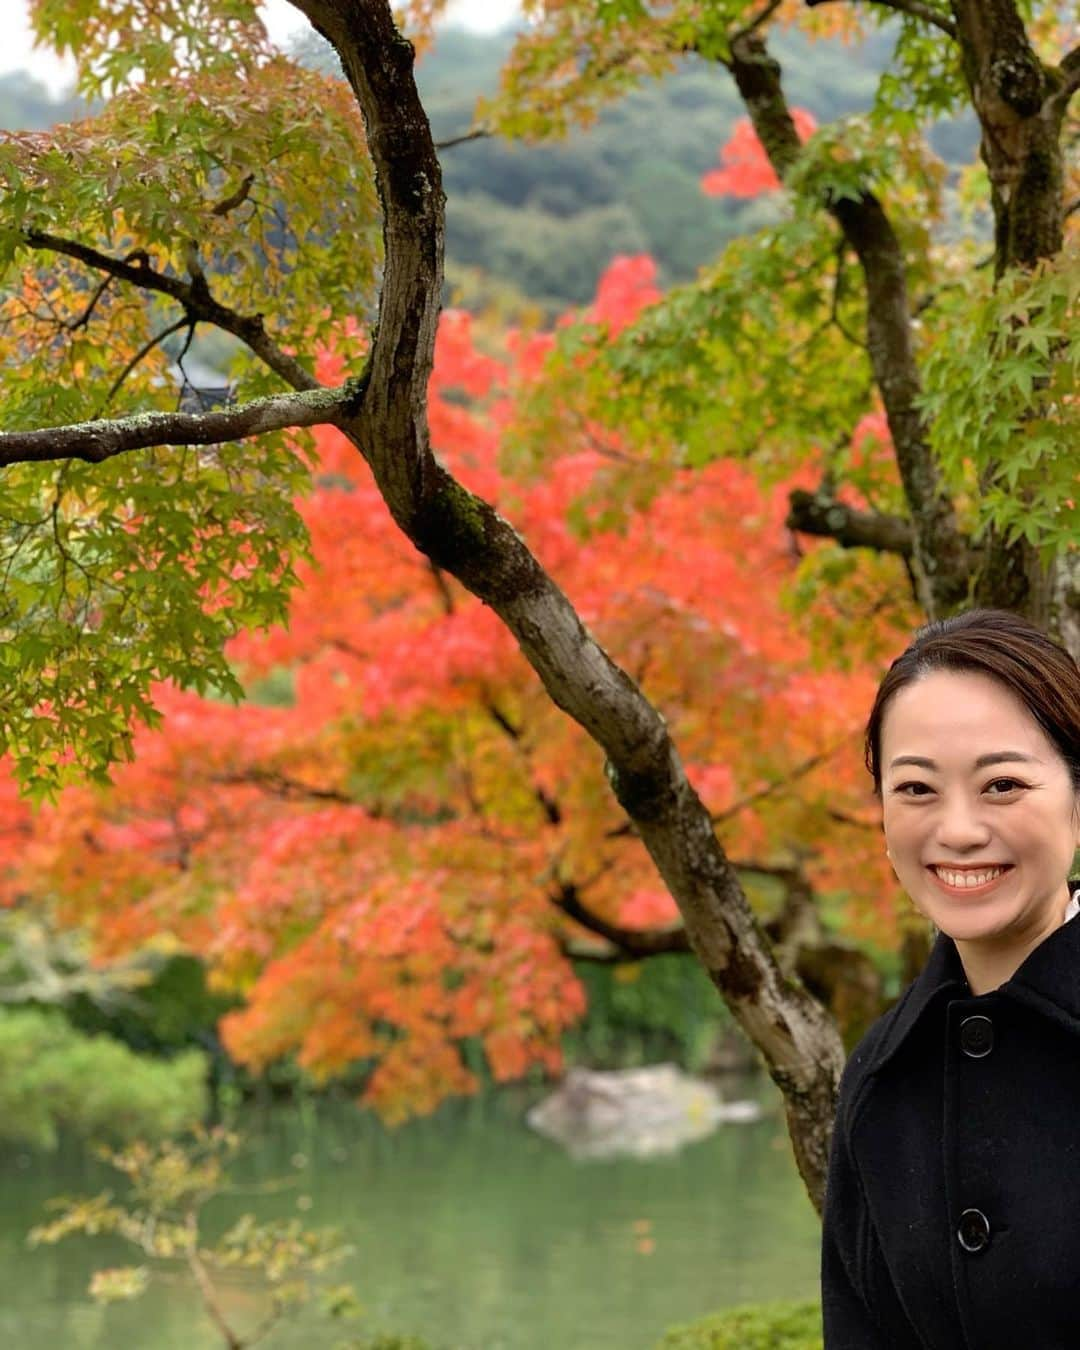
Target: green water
[467,1229]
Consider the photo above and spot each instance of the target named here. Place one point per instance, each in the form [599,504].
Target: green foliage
[173,1010]
[122,574]
[159,38]
[119,575]
[692,380]
[1002,391]
[54,1078]
[852,156]
[779,1326]
[924,80]
[639,1012]
[168,1186]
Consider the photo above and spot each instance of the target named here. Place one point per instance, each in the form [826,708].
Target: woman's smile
[968,883]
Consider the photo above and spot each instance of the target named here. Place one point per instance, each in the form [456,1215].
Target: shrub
[53,1078]
[770,1326]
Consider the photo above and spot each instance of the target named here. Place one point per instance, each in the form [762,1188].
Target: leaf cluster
[1004,396]
[169,1184]
[691,379]
[120,575]
[117,43]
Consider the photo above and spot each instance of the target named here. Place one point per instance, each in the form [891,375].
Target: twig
[206,1286]
[477,133]
[763,17]
[915,8]
[143,351]
[235,199]
[84,318]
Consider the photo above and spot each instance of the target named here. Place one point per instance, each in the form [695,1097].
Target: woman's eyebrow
[995,757]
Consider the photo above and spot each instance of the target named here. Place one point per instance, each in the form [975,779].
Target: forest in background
[541,222]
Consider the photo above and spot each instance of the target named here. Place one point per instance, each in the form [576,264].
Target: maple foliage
[372,848]
[746,171]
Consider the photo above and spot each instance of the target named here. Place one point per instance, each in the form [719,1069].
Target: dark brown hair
[1008,648]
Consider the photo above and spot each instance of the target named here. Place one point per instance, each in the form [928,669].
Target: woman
[952,1209]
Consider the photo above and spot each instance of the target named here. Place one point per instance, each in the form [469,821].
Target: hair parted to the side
[1007,647]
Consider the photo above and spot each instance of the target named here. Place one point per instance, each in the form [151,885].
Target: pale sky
[17,53]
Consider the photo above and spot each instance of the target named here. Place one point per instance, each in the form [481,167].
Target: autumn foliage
[745,169]
[372,849]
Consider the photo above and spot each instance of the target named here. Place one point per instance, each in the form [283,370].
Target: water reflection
[467,1228]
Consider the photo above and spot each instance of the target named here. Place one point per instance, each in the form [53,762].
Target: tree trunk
[463,535]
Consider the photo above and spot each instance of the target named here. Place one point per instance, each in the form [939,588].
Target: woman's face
[990,791]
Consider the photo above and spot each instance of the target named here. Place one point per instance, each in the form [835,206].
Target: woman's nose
[961,825]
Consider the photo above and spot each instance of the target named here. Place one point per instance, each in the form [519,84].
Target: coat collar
[1047,980]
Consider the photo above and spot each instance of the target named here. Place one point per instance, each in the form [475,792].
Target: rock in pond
[636,1113]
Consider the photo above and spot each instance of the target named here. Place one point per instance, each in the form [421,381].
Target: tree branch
[915,8]
[1070,70]
[939,549]
[759,20]
[463,534]
[478,133]
[100,440]
[194,296]
[818,514]
[633,944]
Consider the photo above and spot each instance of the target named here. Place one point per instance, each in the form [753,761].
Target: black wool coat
[952,1206]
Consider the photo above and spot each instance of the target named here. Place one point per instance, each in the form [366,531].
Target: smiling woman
[953,1206]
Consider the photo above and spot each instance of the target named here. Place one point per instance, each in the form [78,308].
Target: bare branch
[140,355]
[234,199]
[85,316]
[100,440]
[478,133]
[634,944]
[195,297]
[818,514]
[278,784]
[1070,69]
[761,18]
[916,8]
[778,785]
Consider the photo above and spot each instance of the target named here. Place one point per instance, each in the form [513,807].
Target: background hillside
[541,222]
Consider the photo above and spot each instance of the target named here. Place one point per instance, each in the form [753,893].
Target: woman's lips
[963,892]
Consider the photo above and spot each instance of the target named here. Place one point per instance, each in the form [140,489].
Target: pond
[466,1229]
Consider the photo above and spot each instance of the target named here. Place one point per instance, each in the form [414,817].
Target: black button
[976,1036]
[973,1230]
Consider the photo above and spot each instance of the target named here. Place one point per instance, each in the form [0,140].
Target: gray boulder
[637,1113]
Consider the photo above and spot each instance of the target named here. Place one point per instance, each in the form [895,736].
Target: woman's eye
[1006,784]
[902,789]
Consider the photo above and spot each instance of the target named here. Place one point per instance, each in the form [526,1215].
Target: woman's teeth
[967,879]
